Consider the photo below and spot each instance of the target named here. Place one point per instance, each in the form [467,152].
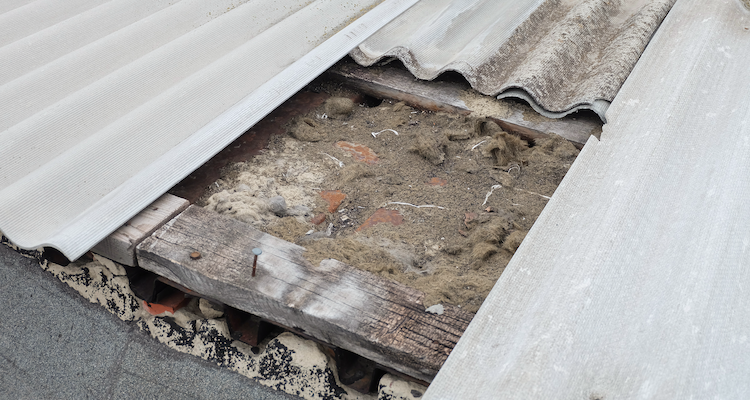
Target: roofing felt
[633,283]
[560,56]
[105,105]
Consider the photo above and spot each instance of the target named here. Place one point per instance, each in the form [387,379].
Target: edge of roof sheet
[119,205]
[633,281]
[558,56]
[598,106]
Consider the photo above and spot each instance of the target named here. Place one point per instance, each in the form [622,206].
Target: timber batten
[333,302]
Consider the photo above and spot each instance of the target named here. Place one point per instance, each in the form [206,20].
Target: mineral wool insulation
[559,55]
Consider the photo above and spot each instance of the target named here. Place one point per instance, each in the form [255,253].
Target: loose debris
[407,195]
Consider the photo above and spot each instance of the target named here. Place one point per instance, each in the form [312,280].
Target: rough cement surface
[286,363]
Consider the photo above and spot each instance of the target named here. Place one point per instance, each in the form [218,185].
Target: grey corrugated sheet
[560,56]
[105,105]
[634,283]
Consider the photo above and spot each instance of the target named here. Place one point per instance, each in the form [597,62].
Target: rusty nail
[195,255]
[257,252]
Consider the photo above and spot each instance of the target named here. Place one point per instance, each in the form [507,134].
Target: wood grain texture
[391,83]
[397,84]
[120,245]
[377,318]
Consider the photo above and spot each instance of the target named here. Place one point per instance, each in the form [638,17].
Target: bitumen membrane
[54,344]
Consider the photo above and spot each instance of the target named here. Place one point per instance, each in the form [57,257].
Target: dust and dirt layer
[439,202]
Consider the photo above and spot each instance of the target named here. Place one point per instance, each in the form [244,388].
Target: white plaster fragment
[436,309]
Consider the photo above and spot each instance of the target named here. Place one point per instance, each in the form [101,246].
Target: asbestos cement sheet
[560,56]
[105,105]
[634,282]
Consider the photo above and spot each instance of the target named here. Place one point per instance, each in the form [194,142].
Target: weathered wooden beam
[338,304]
[398,84]
[120,245]
[392,83]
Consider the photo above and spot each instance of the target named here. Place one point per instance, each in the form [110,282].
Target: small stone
[242,188]
[210,310]
[436,309]
[277,205]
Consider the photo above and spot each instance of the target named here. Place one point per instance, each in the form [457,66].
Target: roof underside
[107,104]
[633,283]
[560,56]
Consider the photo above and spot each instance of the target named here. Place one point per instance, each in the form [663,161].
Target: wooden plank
[120,245]
[397,84]
[391,83]
[376,318]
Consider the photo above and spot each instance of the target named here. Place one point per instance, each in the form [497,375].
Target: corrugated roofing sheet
[560,56]
[105,105]
[633,283]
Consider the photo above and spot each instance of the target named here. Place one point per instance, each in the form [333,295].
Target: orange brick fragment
[334,199]
[437,182]
[318,219]
[383,215]
[359,152]
[171,303]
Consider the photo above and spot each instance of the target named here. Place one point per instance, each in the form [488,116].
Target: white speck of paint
[436,309]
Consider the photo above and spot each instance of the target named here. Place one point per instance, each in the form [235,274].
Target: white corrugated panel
[104,105]
[560,56]
[634,282]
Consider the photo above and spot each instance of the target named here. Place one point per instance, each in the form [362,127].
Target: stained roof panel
[632,283]
[560,56]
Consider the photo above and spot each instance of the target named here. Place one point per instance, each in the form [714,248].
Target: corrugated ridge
[105,85]
[8,5]
[34,16]
[90,182]
[48,44]
[560,57]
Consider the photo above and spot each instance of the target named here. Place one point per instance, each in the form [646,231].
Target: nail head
[195,255]
[257,251]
